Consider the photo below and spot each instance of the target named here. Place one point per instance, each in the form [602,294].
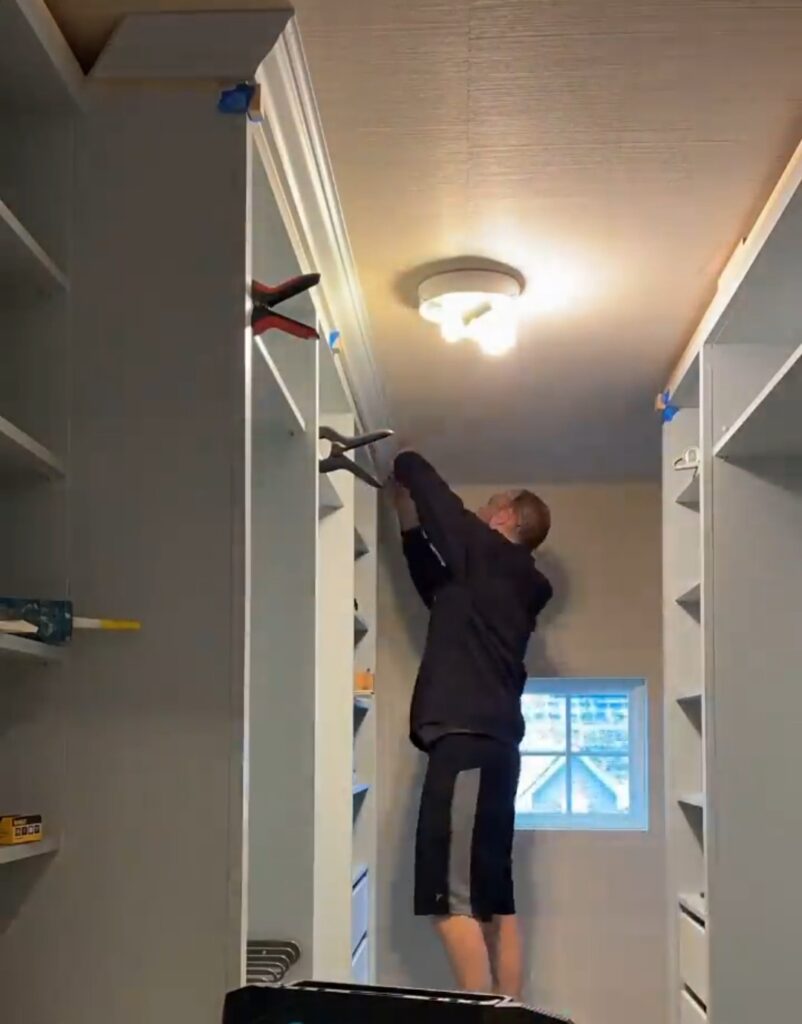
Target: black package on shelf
[329,1003]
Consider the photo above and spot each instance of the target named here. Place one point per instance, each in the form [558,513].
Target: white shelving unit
[733,646]
[40,90]
[26,851]
[684,674]
[211,775]
[365,724]
[310,899]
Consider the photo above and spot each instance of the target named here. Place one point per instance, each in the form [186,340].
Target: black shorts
[463,847]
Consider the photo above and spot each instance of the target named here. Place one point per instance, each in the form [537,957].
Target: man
[476,574]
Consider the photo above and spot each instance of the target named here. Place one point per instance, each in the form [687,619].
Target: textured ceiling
[614,151]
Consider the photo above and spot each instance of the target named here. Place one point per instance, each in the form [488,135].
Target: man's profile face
[498,509]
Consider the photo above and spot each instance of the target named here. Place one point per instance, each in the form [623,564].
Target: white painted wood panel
[154,722]
[684,673]
[756,823]
[284,832]
[693,967]
[334,767]
[214,45]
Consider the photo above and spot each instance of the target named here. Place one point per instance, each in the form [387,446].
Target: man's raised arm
[442,514]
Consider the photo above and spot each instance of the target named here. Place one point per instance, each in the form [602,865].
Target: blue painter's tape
[668,411]
[334,337]
[236,100]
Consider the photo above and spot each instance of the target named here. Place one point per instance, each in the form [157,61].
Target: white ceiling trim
[292,145]
[738,266]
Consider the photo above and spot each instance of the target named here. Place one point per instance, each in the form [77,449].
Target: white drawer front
[690,1012]
[360,965]
[693,956]
[360,911]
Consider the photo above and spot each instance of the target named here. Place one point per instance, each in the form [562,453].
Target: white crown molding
[738,265]
[293,148]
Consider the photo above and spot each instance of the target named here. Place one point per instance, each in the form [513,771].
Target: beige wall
[593,904]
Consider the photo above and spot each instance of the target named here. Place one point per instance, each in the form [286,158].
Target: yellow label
[20,828]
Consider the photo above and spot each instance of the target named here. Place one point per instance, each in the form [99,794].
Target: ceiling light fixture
[473,305]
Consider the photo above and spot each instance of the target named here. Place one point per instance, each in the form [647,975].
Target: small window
[584,762]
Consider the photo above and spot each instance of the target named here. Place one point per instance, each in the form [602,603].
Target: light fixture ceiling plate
[487,282]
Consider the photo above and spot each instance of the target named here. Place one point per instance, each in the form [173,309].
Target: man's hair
[534,519]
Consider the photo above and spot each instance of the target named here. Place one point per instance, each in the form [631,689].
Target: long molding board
[293,147]
[738,265]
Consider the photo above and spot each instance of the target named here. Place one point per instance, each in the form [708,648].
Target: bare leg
[503,940]
[464,942]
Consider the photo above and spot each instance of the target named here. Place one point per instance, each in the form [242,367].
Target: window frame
[637,819]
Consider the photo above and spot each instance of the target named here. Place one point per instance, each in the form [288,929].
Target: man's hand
[404,505]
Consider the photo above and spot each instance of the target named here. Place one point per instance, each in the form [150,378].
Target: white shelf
[24,851]
[691,597]
[34,650]
[689,495]
[696,800]
[360,627]
[771,427]
[329,499]
[692,697]
[692,1009]
[695,904]
[38,71]
[21,456]
[360,545]
[273,403]
[24,265]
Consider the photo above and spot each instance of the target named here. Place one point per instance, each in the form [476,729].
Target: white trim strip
[291,143]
